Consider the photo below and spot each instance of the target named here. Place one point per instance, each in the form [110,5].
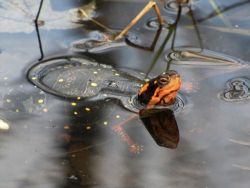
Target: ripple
[134,105]
[171,7]
[199,57]
[237,89]
[153,23]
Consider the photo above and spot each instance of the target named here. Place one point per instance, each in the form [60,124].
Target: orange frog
[157,95]
[160,91]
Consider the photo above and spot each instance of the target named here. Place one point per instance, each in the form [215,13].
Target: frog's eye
[164,80]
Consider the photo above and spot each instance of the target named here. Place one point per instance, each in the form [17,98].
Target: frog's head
[161,90]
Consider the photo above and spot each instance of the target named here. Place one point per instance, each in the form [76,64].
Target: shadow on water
[54,142]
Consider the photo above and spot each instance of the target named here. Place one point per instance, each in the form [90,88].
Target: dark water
[57,142]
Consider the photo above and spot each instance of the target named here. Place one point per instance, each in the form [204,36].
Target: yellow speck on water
[95,72]
[4,125]
[40,101]
[117,116]
[78,98]
[17,110]
[88,127]
[87,109]
[66,127]
[8,100]
[45,110]
[73,104]
[105,123]
[75,113]
[33,78]
[93,84]
[60,80]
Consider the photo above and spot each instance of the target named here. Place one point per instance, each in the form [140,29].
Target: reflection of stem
[221,10]
[118,128]
[196,29]
[172,29]
[37,29]
[219,13]
[88,147]
[168,65]
[152,46]
[96,22]
[159,52]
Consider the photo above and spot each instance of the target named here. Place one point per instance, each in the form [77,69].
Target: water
[51,141]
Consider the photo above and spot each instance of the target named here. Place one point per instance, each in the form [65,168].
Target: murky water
[51,137]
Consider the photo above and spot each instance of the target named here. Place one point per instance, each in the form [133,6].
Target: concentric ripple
[134,105]
[171,7]
[153,23]
[238,89]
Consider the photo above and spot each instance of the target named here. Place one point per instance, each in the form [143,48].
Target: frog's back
[72,77]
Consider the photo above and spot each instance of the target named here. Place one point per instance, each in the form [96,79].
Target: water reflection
[67,147]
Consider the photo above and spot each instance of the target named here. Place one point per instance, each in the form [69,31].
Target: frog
[74,77]
[160,122]
[160,91]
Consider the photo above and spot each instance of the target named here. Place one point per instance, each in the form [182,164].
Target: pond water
[56,135]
